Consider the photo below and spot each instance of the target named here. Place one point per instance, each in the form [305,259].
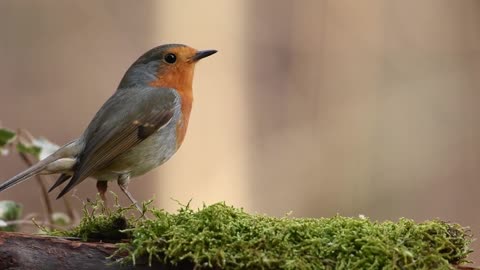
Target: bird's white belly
[147,155]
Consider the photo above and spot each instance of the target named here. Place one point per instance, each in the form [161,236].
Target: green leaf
[61,219]
[29,149]
[6,136]
[9,210]
[47,147]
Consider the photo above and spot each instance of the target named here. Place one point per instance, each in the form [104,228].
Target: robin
[137,129]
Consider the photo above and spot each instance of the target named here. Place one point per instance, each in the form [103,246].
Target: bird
[137,129]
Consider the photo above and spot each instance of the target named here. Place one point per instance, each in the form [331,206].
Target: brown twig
[23,134]
[43,189]
[69,209]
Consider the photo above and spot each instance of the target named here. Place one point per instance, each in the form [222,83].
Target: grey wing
[130,116]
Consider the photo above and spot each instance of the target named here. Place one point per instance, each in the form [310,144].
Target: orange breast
[179,78]
[183,123]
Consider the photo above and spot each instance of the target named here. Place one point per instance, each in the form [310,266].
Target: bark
[24,251]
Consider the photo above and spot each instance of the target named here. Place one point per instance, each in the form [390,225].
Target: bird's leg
[102,189]
[123,181]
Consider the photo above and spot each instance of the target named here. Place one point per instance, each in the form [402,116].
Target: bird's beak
[202,54]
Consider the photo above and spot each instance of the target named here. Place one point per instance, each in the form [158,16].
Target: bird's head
[170,65]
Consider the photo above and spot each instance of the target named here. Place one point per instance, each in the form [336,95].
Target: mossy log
[224,237]
[24,251]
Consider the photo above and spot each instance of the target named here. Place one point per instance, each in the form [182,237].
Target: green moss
[223,237]
[100,223]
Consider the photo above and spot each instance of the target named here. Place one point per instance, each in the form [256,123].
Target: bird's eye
[170,58]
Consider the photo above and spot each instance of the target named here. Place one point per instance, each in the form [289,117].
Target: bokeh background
[316,107]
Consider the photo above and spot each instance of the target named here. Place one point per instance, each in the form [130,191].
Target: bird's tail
[59,162]
[35,169]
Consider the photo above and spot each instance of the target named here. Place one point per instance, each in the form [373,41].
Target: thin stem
[69,209]
[46,199]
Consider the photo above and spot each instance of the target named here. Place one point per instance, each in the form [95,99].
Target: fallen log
[25,251]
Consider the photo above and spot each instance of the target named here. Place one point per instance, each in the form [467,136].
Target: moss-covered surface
[102,224]
[223,237]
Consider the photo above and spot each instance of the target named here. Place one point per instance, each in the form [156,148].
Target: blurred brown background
[315,107]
